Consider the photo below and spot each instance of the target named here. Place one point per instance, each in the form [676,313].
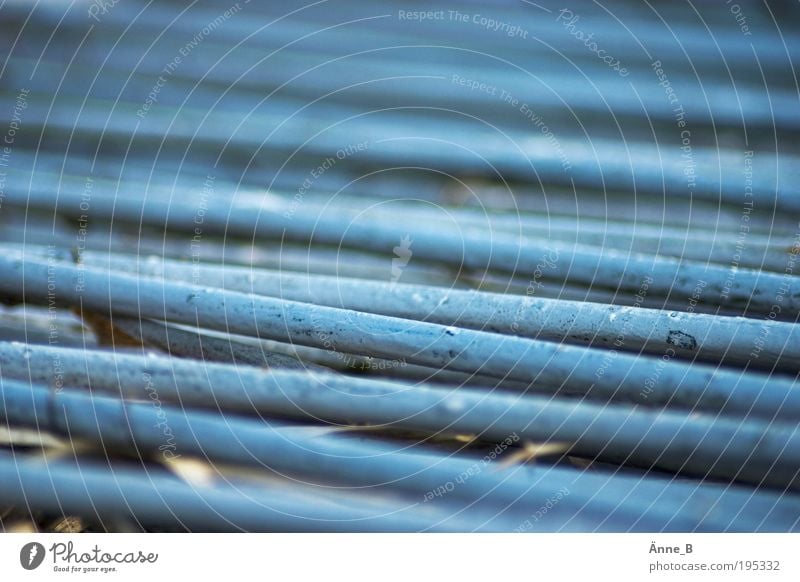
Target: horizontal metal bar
[38,326]
[548,366]
[250,74]
[752,250]
[518,202]
[312,31]
[756,291]
[548,200]
[529,222]
[183,343]
[688,335]
[732,449]
[223,347]
[745,251]
[154,498]
[473,147]
[315,452]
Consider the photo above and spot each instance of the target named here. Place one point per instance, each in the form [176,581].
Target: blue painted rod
[315,454]
[687,39]
[688,335]
[199,344]
[183,343]
[152,497]
[250,75]
[727,448]
[271,217]
[548,366]
[473,147]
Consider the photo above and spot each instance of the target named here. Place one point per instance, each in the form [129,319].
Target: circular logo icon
[31,555]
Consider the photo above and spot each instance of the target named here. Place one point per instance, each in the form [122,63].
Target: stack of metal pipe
[338,266]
